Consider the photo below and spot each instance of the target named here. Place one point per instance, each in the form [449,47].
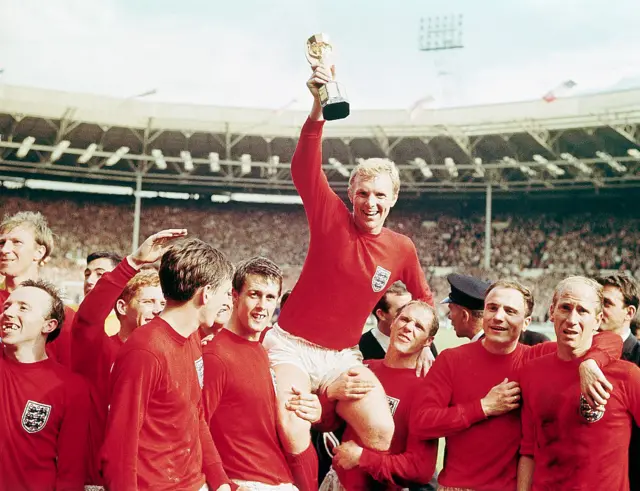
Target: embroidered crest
[200,371]
[589,414]
[393,404]
[380,279]
[35,416]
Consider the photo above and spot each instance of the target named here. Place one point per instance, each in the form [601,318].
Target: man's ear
[49,326]
[121,307]
[631,312]
[394,200]
[39,255]
[234,297]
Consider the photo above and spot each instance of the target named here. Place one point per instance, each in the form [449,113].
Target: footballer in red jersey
[44,415]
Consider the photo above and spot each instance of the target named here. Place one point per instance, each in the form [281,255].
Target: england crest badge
[380,279]
[393,404]
[35,416]
[200,371]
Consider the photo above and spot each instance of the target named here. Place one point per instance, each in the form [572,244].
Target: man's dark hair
[258,266]
[397,288]
[56,311]
[285,297]
[627,286]
[114,257]
[189,265]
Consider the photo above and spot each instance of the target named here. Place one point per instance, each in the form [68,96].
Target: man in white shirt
[375,343]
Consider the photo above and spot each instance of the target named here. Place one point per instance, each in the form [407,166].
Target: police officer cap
[467,291]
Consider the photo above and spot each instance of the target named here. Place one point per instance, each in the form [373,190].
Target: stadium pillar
[487,230]
[136,213]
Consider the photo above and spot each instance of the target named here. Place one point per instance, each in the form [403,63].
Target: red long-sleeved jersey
[156,437]
[568,452]
[482,453]
[94,352]
[346,269]
[44,425]
[409,460]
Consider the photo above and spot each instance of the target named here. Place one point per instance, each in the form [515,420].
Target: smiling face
[19,251]
[505,316]
[24,318]
[147,303]
[254,305]
[372,199]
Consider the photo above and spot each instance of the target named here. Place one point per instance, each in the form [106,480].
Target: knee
[379,438]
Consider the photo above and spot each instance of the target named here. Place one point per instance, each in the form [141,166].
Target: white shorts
[323,365]
[258,486]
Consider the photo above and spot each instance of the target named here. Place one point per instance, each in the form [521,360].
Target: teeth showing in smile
[9,326]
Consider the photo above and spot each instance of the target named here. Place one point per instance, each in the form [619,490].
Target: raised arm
[306,164]
[413,277]
[88,328]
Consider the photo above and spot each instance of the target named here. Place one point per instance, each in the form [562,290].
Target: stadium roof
[587,142]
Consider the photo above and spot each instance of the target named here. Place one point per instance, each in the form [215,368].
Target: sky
[250,53]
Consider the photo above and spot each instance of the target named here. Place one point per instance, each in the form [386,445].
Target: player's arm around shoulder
[632,389]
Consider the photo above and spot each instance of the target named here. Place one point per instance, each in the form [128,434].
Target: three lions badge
[380,279]
[35,416]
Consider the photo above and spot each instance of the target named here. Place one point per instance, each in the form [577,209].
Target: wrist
[485,408]
[134,263]
[316,110]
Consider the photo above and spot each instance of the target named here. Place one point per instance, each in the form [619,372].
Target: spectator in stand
[44,415]
[567,444]
[26,243]
[466,305]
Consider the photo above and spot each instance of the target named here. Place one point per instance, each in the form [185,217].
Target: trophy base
[334,101]
[336,110]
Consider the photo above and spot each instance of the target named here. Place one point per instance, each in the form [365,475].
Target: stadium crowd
[198,390]
[578,243]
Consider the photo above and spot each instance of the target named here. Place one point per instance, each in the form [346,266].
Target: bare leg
[370,416]
[294,432]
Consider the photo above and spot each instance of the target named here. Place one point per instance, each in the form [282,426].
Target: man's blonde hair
[579,280]
[371,168]
[143,279]
[37,223]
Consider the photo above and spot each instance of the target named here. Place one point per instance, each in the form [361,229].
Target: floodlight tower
[442,36]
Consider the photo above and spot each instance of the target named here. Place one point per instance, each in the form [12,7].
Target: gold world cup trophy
[333,96]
